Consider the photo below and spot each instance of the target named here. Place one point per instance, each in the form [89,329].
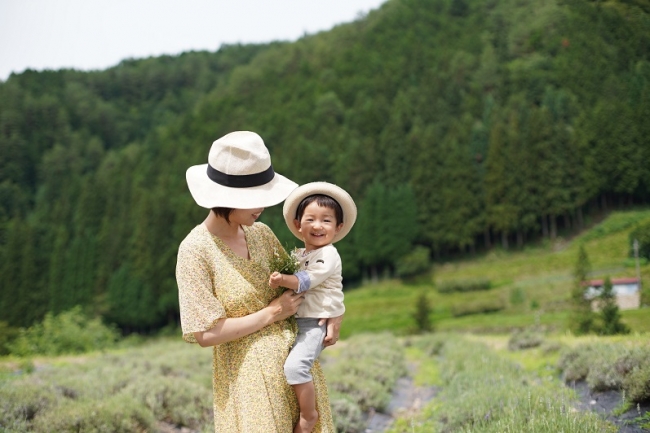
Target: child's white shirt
[323,267]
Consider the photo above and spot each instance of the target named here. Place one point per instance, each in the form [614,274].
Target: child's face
[317,226]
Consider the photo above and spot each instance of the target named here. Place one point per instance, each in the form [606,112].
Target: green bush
[603,374]
[365,392]
[68,332]
[7,335]
[174,399]
[415,263]
[477,306]
[348,415]
[473,285]
[610,372]
[549,347]
[574,362]
[115,414]
[367,370]
[422,314]
[525,339]
[609,367]
[21,401]
[637,383]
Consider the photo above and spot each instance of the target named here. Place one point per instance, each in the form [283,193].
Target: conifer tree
[422,314]
[582,317]
[609,312]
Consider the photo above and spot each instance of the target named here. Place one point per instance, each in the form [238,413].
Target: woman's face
[245,217]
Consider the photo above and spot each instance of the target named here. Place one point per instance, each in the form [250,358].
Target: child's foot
[306,422]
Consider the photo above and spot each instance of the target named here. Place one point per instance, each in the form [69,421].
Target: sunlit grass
[427,371]
[534,285]
[484,391]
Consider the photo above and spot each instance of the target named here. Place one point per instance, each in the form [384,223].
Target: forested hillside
[455,125]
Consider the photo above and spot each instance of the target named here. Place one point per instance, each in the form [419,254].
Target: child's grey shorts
[305,350]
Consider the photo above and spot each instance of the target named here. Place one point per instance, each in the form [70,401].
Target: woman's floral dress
[250,391]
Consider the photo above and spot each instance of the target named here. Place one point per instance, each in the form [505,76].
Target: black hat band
[241,180]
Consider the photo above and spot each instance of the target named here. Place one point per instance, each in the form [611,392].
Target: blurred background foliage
[457,126]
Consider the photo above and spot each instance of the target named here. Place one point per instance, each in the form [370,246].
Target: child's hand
[275,280]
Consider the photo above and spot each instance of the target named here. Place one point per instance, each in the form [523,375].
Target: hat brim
[337,193]
[209,194]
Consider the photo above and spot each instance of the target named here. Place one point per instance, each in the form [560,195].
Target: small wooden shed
[626,290]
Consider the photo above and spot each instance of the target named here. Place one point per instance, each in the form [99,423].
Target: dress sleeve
[199,308]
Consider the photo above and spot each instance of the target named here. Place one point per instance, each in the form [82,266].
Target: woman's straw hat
[238,175]
[337,193]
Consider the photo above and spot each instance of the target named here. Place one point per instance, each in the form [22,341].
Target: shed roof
[615,281]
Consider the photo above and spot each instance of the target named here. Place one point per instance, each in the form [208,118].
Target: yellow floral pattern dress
[250,390]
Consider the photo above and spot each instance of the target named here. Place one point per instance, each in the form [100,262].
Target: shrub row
[68,332]
[417,262]
[525,339]
[362,377]
[609,366]
[113,393]
[170,381]
[473,285]
[477,306]
[483,392]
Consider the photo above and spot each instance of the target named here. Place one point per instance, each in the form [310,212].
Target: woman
[224,296]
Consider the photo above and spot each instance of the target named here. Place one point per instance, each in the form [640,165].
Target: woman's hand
[229,329]
[333,330]
[285,305]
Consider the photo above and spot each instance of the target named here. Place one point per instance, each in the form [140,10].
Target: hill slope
[455,124]
[530,287]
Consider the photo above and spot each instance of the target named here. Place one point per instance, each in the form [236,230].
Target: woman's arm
[230,329]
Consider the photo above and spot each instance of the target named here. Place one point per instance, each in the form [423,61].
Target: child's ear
[296,223]
[338,228]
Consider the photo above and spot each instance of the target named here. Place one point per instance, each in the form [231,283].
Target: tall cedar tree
[582,317]
[422,315]
[609,313]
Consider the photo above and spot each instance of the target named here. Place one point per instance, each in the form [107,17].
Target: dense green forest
[456,125]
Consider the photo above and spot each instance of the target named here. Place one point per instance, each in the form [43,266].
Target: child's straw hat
[324,188]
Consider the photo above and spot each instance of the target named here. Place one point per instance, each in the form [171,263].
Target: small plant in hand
[284,263]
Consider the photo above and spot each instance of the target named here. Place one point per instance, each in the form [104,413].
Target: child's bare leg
[307,402]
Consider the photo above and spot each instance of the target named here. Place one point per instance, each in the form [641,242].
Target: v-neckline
[226,248]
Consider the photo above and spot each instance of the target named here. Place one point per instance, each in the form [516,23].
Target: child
[320,214]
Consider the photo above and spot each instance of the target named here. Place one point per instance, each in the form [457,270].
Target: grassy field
[163,383]
[486,387]
[532,286]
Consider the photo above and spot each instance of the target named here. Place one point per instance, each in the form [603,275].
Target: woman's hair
[323,201]
[223,212]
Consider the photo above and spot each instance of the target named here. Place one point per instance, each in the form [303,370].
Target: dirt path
[407,398]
